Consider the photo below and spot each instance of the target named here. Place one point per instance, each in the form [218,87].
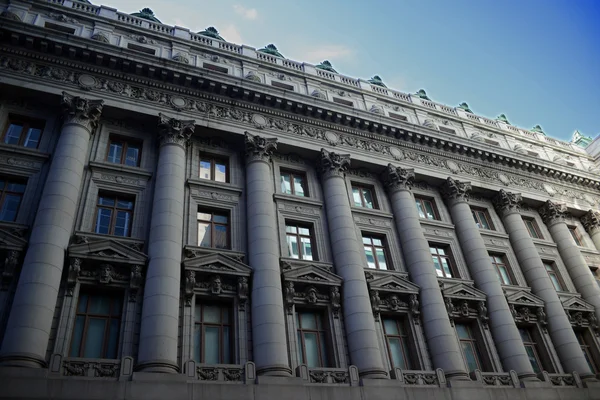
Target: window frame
[326,361]
[503,261]
[212,212]
[449,256]
[577,238]
[200,303]
[553,272]
[298,236]
[27,123]
[125,143]
[587,349]
[402,325]
[360,187]
[115,209]
[384,247]
[476,211]
[214,160]
[422,200]
[533,344]
[473,340]
[298,174]
[534,226]
[4,192]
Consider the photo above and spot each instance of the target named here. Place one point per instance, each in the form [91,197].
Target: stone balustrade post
[591,223]
[30,320]
[347,254]
[565,342]
[504,330]
[439,332]
[160,310]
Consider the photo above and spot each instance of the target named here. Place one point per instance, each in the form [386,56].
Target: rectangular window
[214,168]
[533,228]
[124,151]
[363,196]
[442,260]
[551,269]
[576,236]
[501,265]
[11,195]
[426,208]
[299,242]
[482,218]
[312,339]
[97,325]
[114,215]
[213,229]
[23,131]
[213,336]
[396,337]
[375,250]
[531,348]
[469,347]
[587,350]
[294,183]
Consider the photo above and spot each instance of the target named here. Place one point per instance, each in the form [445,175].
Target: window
[312,339]
[97,325]
[533,228]
[375,250]
[576,236]
[213,229]
[114,215]
[426,208]
[10,198]
[363,196]
[214,168]
[22,131]
[482,218]
[468,345]
[501,266]
[299,242]
[397,342]
[124,151]
[587,350]
[212,334]
[442,260]
[551,269]
[531,348]
[294,183]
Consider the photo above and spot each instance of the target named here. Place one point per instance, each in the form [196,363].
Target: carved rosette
[259,148]
[333,164]
[591,221]
[553,212]
[507,202]
[455,191]
[175,131]
[80,111]
[397,178]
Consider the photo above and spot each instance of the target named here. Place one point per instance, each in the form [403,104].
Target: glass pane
[197,341]
[9,209]
[366,240]
[299,186]
[475,218]
[126,204]
[204,216]
[116,306]
[133,155]
[226,350]
[446,265]
[356,197]
[504,275]
[13,134]
[368,195]
[381,259]
[437,265]
[308,321]
[220,172]
[396,353]
[286,187]
[306,249]
[470,356]
[556,283]
[225,315]
[106,201]
[114,153]
[429,209]
[484,221]
[77,336]
[221,239]
[212,314]
[463,331]
[370,257]
[83,300]
[204,238]
[300,348]
[292,244]
[533,359]
[220,218]
[524,335]
[16,187]
[304,231]
[113,339]
[390,326]
[103,221]
[211,345]
[589,360]
[33,138]
[99,305]
[441,251]
[204,169]
[377,242]
[291,229]
[122,223]
[323,358]
[94,338]
[420,209]
[311,349]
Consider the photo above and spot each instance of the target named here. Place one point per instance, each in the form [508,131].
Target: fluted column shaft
[439,332]
[28,329]
[268,319]
[347,253]
[564,339]
[160,311]
[504,330]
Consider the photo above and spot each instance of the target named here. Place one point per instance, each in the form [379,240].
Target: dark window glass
[213,335]
[531,348]
[213,229]
[533,228]
[426,208]
[576,236]
[501,266]
[214,168]
[363,196]
[442,260]
[482,218]
[124,151]
[469,347]
[23,131]
[299,242]
[375,250]
[551,268]
[11,195]
[312,339]
[587,350]
[294,183]
[397,343]
[114,215]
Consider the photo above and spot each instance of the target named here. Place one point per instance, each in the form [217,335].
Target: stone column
[504,330]
[508,206]
[591,223]
[268,319]
[439,332]
[160,310]
[30,321]
[554,215]
[347,254]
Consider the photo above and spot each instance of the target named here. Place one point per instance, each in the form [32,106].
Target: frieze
[293,208]
[372,221]
[215,196]
[120,179]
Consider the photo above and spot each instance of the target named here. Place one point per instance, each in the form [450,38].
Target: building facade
[183,216]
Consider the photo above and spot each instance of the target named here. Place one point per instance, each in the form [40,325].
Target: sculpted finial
[507,202]
[397,178]
[454,190]
[84,112]
[176,131]
[333,164]
[553,212]
[259,148]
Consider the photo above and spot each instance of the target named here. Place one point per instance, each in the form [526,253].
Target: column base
[274,370]
[528,377]
[458,375]
[373,374]
[24,360]
[158,366]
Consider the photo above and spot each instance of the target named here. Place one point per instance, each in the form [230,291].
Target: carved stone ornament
[507,202]
[397,178]
[182,57]
[106,273]
[259,148]
[375,304]
[591,221]
[8,270]
[290,292]
[175,131]
[454,190]
[63,18]
[333,164]
[10,15]
[253,76]
[311,295]
[335,298]
[100,37]
[136,281]
[553,212]
[190,283]
[84,112]
[216,286]
[73,274]
[242,292]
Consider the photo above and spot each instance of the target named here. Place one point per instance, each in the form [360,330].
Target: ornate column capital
[397,178]
[174,131]
[456,191]
[553,212]
[259,148]
[333,164]
[507,202]
[591,220]
[80,111]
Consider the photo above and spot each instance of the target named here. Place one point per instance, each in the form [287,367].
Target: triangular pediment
[313,274]
[393,283]
[217,263]
[107,250]
[524,298]
[462,291]
[10,241]
[577,304]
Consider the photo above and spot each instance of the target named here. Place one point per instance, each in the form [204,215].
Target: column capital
[333,164]
[174,131]
[591,220]
[81,111]
[259,148]
[553,212]
[507,202]
[397,178]
[456,191]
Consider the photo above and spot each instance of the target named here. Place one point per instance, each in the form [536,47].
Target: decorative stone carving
[242,292]
[142,39]
[174,131]
[375,303]
[319,94]
[190,283]
[553,212]
[507,202]
[135,282]
[73,274]
[63,18]
[591,221]
[10,15]
[336,301]
[259,148]
[414,305]
[100,37]
[397,178]
[105,275]
[216,287]
[482,312]
[333,164]
[290,292]
[182,57]
[9,268]
[454,190]
[253,76]
[84,112]
[311,295]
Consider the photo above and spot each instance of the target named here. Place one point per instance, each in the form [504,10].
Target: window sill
[297,199]
[214,184]
[371,212]
[20,150]
[120,168]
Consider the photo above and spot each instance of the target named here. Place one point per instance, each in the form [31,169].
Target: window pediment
[216,263]
[574,303]
[464,301]
[107,250]
[312,274]
[393,284]
[523,298]
[460,291]
[12,239]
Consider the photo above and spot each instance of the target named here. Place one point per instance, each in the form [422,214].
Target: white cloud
[248,13]
[231,34]
[325,52]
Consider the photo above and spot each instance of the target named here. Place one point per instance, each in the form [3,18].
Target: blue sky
[537,61]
